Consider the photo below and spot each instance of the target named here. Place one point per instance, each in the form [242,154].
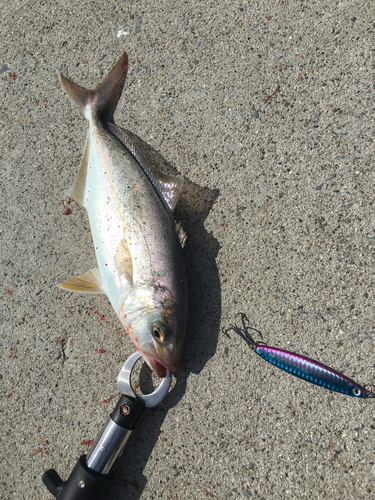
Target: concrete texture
[279,211]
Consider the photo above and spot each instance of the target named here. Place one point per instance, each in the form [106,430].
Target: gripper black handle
[83,483]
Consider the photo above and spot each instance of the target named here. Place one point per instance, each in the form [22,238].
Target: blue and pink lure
[300,366]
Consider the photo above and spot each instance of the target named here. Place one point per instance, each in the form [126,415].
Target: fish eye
[356,392]
[158,333]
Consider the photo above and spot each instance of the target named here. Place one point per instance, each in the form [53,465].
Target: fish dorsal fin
[90,282]
[77,191]
[102,100]
[123,260]
[169,187]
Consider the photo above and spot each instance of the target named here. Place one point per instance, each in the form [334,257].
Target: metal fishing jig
[300,366]
[92,474]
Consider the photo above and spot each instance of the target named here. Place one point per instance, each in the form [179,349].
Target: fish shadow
[204,295]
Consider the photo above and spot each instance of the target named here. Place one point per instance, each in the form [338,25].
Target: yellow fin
[91,282]
[123,260]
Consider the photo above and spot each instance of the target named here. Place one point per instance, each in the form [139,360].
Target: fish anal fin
[123,260]
[169,187]
[90,282]
[77,191]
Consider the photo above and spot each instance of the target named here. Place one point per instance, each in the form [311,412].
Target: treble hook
[370,390]
[244,331]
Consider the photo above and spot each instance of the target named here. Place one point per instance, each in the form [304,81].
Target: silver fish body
[137,243]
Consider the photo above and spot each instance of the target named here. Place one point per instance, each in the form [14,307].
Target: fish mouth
[157,367]
[155,362]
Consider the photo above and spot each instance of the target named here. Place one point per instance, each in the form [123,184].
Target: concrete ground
[279,212]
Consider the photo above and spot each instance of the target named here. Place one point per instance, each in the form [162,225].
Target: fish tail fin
[102,100]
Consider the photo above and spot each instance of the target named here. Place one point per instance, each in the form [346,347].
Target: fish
[138,244]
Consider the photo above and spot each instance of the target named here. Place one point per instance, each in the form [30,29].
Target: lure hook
[369,391]
[243,330]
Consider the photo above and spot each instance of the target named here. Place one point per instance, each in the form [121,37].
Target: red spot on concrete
[270,97]
[9,292]
[57,339]
[69,308]
[108,399]
[103,318]
[46,103]
[101,350]
[11,353]
[37,450]
[13,76]
[101,315]
[88,442]
[68,211]
[10,395]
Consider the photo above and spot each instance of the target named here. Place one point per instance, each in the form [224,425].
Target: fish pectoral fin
[123,260]
[169,187]
[77,191]
[90,282]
